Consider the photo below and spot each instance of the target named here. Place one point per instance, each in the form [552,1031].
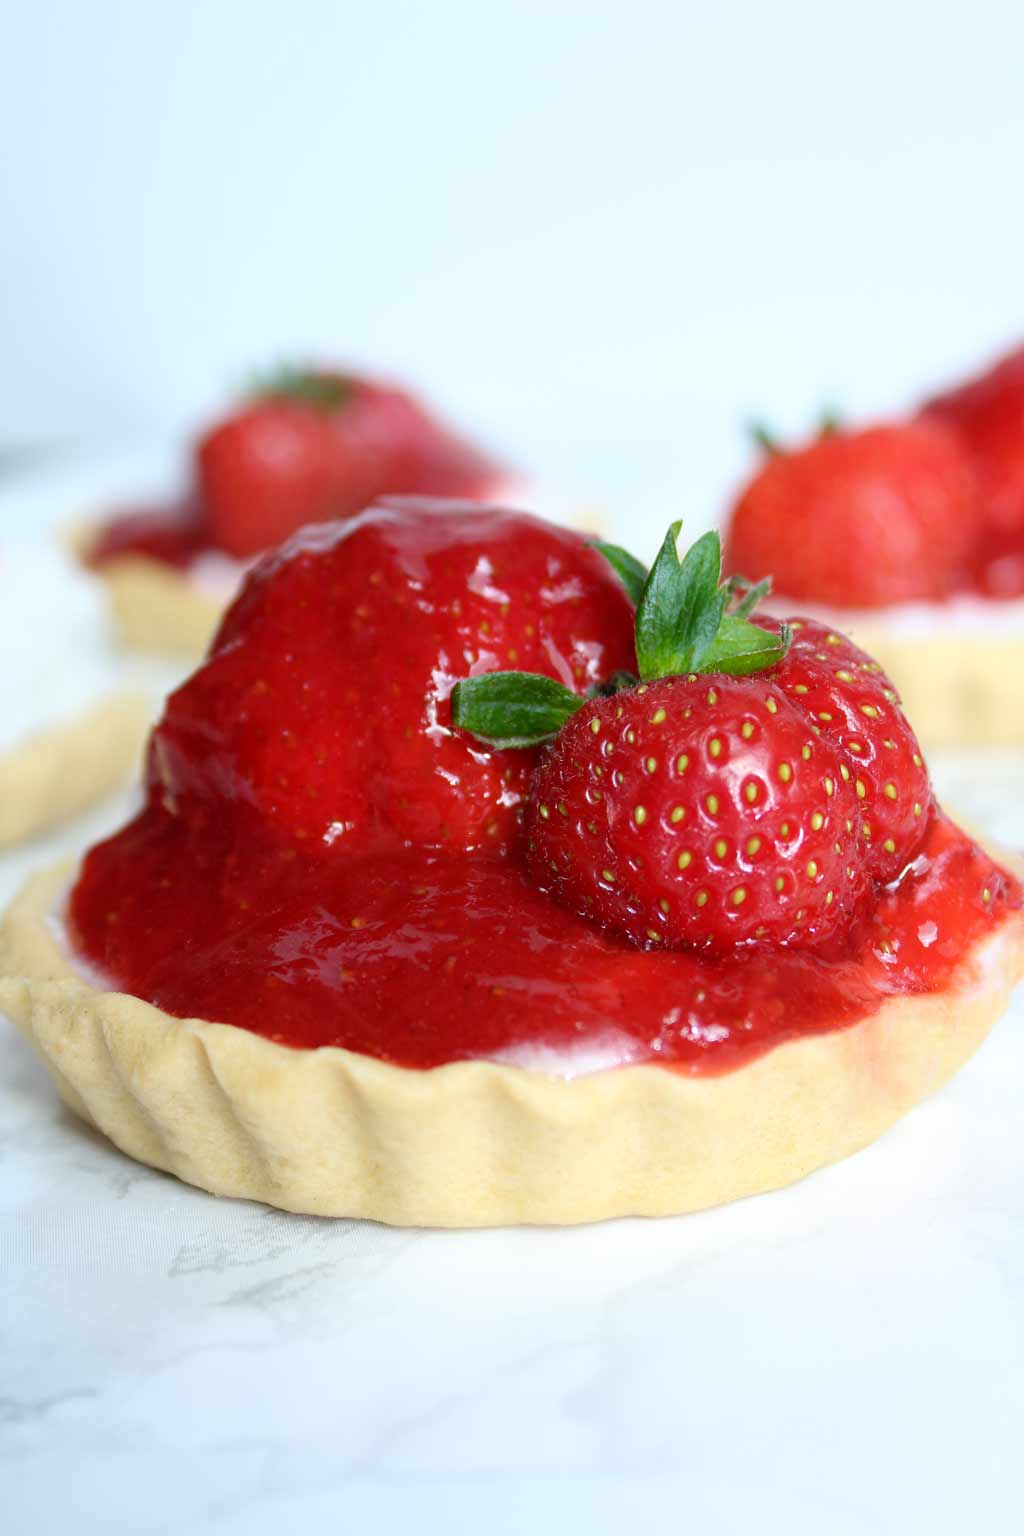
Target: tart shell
[159,608]
[55,773]
[334,1133]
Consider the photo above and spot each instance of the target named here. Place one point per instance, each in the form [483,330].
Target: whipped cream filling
[54,634]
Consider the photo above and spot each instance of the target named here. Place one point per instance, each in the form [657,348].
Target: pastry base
[158,608]
[58,772]
[334,1133]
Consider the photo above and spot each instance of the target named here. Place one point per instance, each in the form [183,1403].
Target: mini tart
[54,774]
[335,1133]
[960,688]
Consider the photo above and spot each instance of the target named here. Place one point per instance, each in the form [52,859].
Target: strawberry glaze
[419,957]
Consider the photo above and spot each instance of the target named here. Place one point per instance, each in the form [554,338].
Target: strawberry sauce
[172,536]
[420,957]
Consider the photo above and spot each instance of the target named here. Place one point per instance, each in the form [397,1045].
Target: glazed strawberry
[861,519]
[748,789]
[697,811]
[319,445]
[854,707]
[324,710]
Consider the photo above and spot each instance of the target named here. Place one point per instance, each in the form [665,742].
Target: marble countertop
[843,1357]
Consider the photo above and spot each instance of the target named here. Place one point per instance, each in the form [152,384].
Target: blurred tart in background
[305,447]
[72,723]
[909,535]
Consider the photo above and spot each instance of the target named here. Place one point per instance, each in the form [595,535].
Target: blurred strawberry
[860,519]
[988,413]
[318,445]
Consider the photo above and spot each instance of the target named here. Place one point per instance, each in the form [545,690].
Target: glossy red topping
[422,958]
[323,710]
[323,861]
[309,447]
[861,519]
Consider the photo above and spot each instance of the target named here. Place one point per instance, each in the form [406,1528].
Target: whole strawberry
[854,708]
[316,445]
[860,519]
[700,811]
[324,704]
[748,788]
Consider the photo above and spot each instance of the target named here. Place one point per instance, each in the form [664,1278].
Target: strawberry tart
[910,535]
[484,876]
[305,446]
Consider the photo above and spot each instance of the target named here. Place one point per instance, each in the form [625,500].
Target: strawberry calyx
[764,437]
[303,386]
[687,622]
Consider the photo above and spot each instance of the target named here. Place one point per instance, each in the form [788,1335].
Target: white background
[601,234]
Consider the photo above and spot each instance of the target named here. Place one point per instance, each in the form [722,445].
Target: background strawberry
[861,519]
[313,446]
[324,705]
[988,414]
[267,470]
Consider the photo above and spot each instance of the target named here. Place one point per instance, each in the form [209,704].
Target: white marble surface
[844,1357]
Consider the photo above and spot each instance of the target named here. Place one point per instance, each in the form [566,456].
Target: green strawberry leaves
[740,648]
[682,625]
[512,709]
[687,621]
[680,608]
[324,391]
[747,593]
[630,571]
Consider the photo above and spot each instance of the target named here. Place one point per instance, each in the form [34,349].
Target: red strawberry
[333,719]
[697,811]
[988,414]
[319,445]
[265,472]
[860,519]
[715,810]
[854,707]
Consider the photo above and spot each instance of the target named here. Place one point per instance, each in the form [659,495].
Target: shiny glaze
[323,860]
[419,957]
